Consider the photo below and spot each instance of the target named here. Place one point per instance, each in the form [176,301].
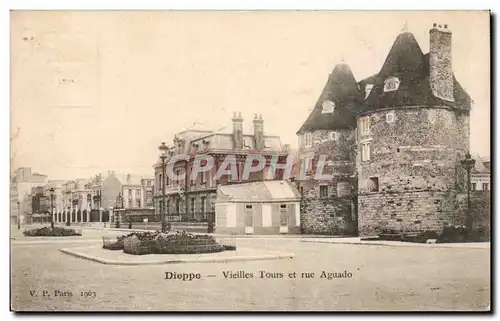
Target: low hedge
[47,231]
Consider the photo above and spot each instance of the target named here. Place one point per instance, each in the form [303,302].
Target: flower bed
[179,242]
[56,231]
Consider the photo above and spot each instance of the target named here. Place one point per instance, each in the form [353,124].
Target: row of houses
[82,200]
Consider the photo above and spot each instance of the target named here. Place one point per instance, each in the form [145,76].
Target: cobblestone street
[383,278]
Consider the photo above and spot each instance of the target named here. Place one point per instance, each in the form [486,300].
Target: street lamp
[51,208]
[163,150]
[18,217]
[468,163]
[118,207]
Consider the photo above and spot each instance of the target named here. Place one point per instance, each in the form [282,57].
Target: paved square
[383,278]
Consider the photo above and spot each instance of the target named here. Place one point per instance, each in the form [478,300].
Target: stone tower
[413,131]
[328,204]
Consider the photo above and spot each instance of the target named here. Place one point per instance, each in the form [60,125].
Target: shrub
[457,234]
[47,231]
[179,242]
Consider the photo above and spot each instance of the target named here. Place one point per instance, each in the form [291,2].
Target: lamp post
[118,207]
[468,163]
[163,150]
[51,208]
[18,217]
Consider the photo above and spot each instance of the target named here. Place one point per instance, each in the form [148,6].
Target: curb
[174,261]
[280,236]
[403,244]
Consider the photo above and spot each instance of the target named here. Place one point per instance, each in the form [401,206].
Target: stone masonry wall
[416,162]
[333,214]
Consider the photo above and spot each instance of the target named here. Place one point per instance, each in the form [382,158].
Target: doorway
[249,219]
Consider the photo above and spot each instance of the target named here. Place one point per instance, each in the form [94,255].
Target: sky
[96,91]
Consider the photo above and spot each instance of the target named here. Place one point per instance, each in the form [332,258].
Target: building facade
[481,175]
[22,182]
[265,207]
[188,199]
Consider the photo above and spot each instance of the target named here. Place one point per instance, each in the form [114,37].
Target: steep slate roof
[342,89]
[407,62]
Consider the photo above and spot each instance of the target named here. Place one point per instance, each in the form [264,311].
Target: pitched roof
[407,62]
[342,89]
[261,191]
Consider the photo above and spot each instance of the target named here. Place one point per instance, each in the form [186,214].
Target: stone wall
[334,212]
[413,175]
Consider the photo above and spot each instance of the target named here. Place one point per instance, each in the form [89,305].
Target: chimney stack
[440,62]
[237,131]
[258,132]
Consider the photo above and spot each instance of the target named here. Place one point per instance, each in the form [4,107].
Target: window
[332,136]
[203,204]
[203,177]
[364,124]
[485,186]
[168,206]
[389,117]
[365,152]
[473,187]
[138,203]
[177,206]
[391,84]
[192,204]
[283,206]
[307,139]
[160,181]
[129,193]
[248,207]
[368,90]
[328,107]
[373,184]
[323,191]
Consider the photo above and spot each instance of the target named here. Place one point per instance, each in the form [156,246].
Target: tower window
[373,184]
[390,117]
[368,90]
[323,191]
[485,186]
[391,84]
[328,107]
[308,139]
[365,152]
[365,125]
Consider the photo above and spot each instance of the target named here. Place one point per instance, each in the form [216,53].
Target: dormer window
[332,135]
[368,90]
[391,84]
[328,107]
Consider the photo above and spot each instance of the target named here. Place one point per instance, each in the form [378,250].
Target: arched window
[391,84]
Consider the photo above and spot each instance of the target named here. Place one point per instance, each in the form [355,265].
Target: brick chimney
[440,62]
[237,131]
[258,132]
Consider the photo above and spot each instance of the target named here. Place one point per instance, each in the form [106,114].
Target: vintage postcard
[250,161]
